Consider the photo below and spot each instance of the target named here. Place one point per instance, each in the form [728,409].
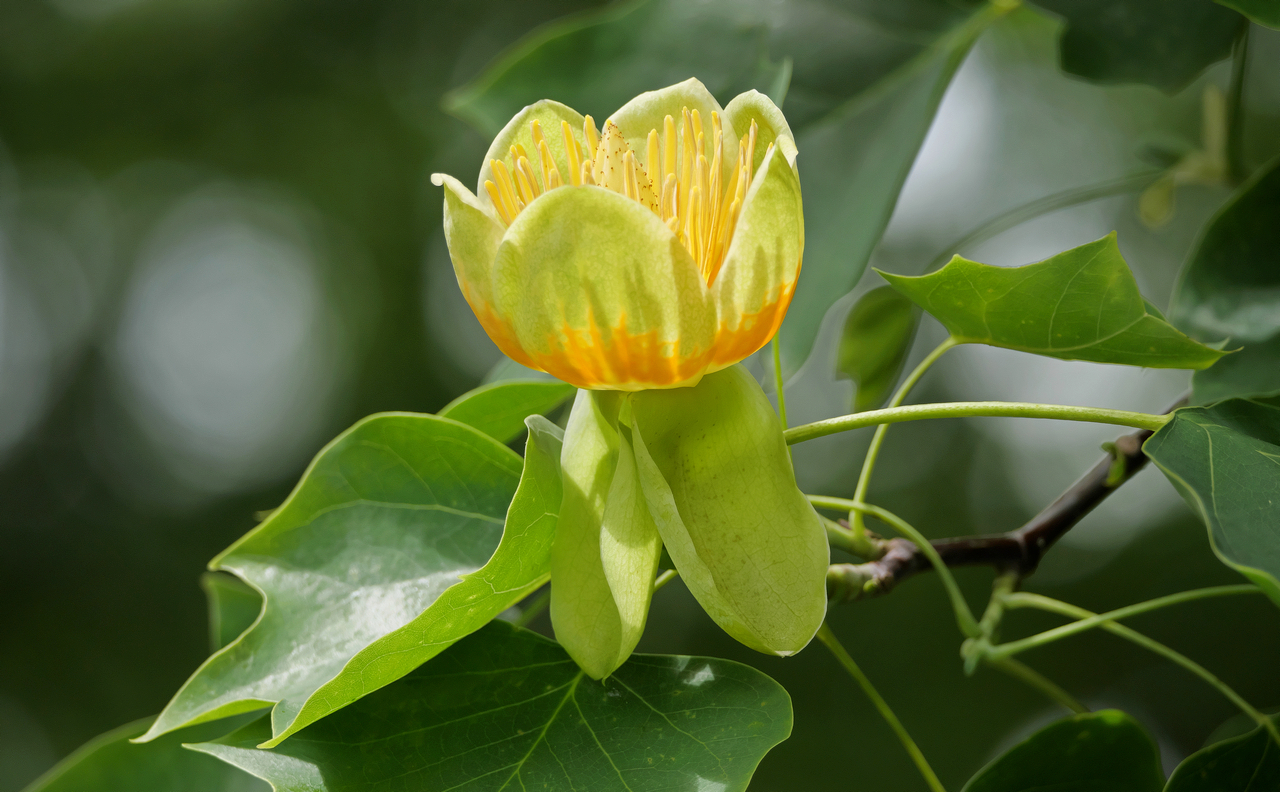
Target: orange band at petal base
[753,331]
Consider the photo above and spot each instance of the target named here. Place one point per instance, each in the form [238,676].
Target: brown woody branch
[1016,551]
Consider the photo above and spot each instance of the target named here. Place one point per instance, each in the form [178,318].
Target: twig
[1016,551]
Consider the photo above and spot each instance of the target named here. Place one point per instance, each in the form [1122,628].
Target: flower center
[680,185]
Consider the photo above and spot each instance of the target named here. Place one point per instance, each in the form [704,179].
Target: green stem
[829,639]
[1050,203]
[964,616]
[1022,600]
[1026,674]
[860,545]
[1074,628]
[664,578]
[918,412]
[779,384]
[877,440]
[1235,108]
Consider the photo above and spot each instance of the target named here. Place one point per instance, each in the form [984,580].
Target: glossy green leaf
[1264,12]
[1105,751]
[1248,763]
[1231,284]
[385,520]
[1225,462]
[1082,304]
[718,480]
[499,408]
[861,98]
[506,709]
[1252,370]
[1165,43]
[874,344]
[111,763]
[233,607]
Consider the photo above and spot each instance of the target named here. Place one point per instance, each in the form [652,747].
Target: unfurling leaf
[874,344]
[1105,751]
[1225,462]
[1082,304]
[507,710]
[718,481]
[499,408]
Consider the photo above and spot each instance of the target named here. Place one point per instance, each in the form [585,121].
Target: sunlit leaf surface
[507,709]
[387,518]
[1082,304]
[1225,462]
[1100,752]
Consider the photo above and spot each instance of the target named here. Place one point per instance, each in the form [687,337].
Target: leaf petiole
[919,412]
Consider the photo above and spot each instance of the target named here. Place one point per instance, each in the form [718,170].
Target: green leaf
[874,344]
[1082,304]
[385,520]
[1231,284]
[1105,751]
[1165,43]
[1248,763]
[507,709]
[861,98]
[111,763]
[1264,12]
[1225,462]
[499,408]
[233,607]
[1253,370]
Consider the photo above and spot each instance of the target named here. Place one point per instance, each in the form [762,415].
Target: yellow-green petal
[754,287]
[549,114]
[771,125]
[599,293]
[473,234]
[606,548]
[719,484]
[647,111]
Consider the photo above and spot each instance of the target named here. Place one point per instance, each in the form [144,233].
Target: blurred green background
[219,246]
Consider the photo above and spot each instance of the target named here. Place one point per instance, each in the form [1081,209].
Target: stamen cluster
[685,189]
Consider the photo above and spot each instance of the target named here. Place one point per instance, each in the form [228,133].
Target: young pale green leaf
[1165,43]
[1225,462]
[606,546]
[233,607]
[111,763]
[1248,763]
[718,481]
[861,99]
[1253,370]
[1231,284]
[1082,304]
[385,520]
[1105,751]
[1264,12]
[499,408]
[506,709]
[874,344]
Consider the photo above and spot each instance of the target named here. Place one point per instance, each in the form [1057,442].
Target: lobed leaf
[1231,284]
[1248,763]
[499,408]
[507,709]
[233,607]
[1225,462]
[1082,304]
[359,571]
[1105,751]
[874,344]
[1165,43]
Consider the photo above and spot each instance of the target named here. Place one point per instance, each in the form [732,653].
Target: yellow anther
[589,134]
[549,168]
[555,181]
[496,196]
[525,181]
[535,132]
[653,165]
[584,174]
[571,153]
[629,186]
[506,187]
[669,142]
[696,117]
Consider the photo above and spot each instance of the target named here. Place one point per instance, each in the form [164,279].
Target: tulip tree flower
[640,262]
